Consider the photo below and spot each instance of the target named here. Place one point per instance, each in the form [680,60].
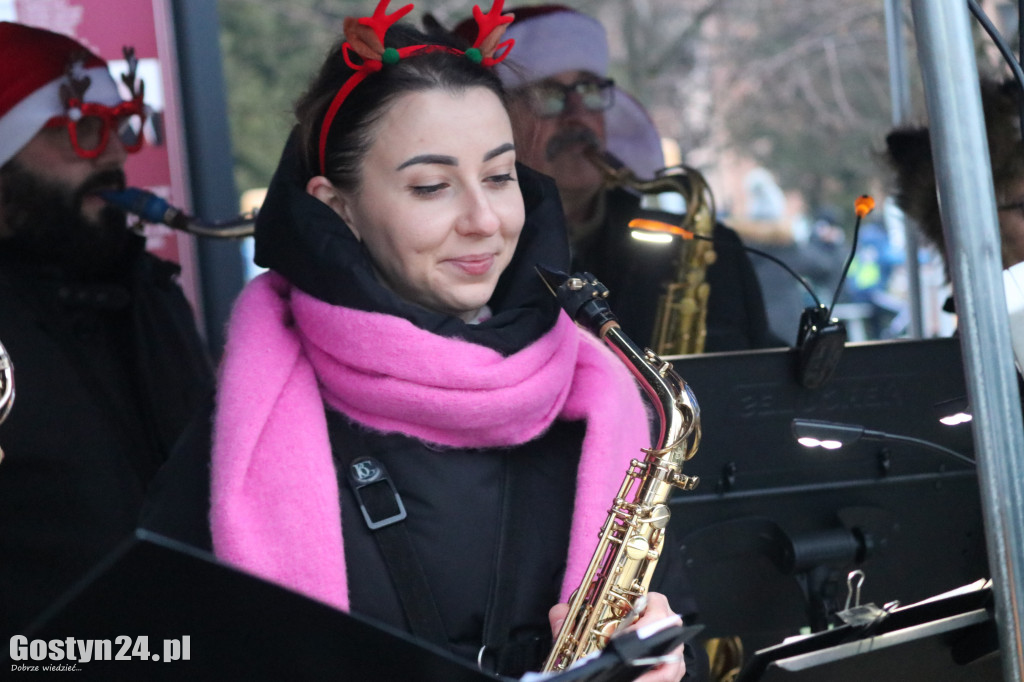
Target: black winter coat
[107,375]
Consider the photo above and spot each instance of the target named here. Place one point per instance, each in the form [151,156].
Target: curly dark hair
[353,129]
[909,155]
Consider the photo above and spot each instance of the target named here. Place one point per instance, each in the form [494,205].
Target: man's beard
[46,222]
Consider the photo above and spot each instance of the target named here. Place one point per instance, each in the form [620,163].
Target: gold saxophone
[680,326]
[631,538]
[681,321]
[6,387]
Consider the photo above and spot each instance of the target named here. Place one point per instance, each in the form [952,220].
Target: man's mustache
[107,179]
[570,138]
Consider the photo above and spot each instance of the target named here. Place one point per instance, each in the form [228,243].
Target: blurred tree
[270,52]
[801,86]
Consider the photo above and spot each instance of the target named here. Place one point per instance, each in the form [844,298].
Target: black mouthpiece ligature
[583,297]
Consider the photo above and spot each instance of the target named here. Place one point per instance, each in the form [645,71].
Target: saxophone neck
[684,180]
[154,209]
[584,298]
[675,406]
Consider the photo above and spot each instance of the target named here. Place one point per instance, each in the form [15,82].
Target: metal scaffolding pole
[970,224]
[899,95]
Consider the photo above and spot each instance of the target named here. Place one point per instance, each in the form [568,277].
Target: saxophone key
[659,516]
[684,482]
[637,547]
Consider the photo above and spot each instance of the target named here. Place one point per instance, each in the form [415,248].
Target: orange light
[658,226]
[863,205]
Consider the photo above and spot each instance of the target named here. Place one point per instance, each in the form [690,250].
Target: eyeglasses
[90,129]
[1016,206]
[549,98]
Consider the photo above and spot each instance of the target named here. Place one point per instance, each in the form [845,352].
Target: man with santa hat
[107,359]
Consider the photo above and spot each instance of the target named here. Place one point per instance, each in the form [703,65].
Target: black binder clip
[377,496]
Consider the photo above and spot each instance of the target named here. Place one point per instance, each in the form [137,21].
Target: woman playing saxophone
[400,376]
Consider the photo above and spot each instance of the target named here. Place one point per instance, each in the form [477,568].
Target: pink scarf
[275,507]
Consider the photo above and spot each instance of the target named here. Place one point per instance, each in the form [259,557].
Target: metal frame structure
[208,155]
[967,202]
[970,224]
[899,95]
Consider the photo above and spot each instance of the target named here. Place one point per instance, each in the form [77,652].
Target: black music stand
[951,639]
[241,627]
[771,533]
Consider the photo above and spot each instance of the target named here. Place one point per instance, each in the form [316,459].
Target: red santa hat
[35,63]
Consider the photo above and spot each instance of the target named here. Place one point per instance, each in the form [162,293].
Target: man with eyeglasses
[562,102]
[107,359]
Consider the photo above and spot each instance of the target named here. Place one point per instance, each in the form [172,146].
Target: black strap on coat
[500,653]
[384,513]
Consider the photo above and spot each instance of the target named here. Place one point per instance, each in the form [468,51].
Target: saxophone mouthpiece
[583,297]
[146,205]
[552,278]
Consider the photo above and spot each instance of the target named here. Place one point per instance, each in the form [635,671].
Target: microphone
[821,337]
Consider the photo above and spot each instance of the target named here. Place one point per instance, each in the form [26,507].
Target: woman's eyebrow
[451,160]
[429,159]
[498,151]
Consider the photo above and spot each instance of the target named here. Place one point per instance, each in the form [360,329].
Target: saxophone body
[681,320]
[631,539]
[6,387]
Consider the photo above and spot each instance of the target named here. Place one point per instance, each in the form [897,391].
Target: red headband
[366,37]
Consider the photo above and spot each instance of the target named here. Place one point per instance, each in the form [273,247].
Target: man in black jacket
[563,103]
[107,359]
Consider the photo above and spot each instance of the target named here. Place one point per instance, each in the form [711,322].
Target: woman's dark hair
[352,131]
[909,155]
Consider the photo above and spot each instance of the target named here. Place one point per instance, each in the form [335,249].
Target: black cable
[1003,48]
[846,268]
[883,436]
[773,259]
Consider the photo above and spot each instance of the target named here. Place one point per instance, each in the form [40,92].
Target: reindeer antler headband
[73,90]
[365,37]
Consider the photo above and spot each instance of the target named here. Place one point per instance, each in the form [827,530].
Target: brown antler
[366,35]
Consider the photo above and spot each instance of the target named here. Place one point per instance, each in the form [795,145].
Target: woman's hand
[657,609]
